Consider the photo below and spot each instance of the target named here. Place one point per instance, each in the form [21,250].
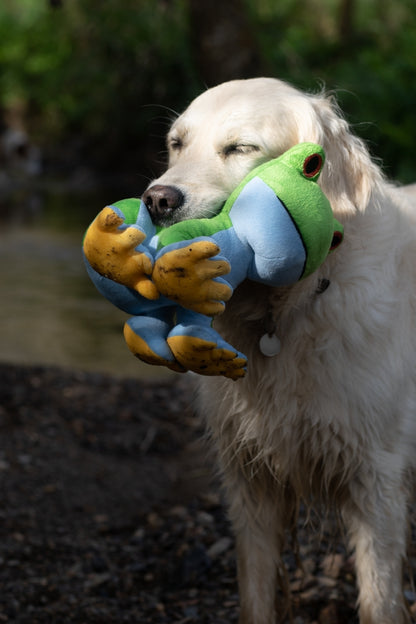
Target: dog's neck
[270,341]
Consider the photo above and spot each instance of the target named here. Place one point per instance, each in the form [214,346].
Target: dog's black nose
[162,200]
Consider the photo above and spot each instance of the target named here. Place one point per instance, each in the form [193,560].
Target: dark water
[50,312]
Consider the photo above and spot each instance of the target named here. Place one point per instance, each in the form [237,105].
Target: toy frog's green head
[320,231]
[293,179]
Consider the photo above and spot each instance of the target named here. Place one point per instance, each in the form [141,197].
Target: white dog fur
[332,418]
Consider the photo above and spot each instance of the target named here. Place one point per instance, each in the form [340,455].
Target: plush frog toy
[276,228]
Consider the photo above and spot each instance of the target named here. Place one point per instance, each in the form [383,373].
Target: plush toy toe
[146,339]
[195,350]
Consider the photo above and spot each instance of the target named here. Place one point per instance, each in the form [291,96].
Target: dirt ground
[110,513]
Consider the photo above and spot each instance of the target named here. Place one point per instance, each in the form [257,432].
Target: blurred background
[88,89]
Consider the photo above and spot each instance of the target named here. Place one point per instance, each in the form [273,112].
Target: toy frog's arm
[188,275]
[111,250]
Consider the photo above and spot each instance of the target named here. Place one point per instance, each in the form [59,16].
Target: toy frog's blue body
[276,228]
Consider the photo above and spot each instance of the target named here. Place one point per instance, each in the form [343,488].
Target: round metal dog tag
[269,345]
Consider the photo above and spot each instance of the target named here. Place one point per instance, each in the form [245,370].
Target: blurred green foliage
[367,58]
[96,71]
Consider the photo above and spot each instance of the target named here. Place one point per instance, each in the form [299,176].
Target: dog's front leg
[377,524]
[257,517]
[257,578]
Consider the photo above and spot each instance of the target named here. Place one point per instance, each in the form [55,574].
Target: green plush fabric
[194,228]
[130,208]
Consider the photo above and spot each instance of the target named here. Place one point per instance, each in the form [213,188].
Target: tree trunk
[222,40]
[346,21]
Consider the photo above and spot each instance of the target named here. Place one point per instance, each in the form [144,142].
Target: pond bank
[51,313]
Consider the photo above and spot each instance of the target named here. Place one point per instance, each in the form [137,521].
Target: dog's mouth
[170,217]
[188,211]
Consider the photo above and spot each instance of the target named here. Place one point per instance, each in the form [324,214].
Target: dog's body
[332,417]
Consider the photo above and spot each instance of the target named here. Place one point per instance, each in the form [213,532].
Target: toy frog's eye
[336,240]
[312,165]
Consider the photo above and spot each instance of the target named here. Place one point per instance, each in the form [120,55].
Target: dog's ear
[349,175]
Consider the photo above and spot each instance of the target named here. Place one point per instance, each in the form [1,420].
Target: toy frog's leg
[146,338]
[205,355]
[147,330]
[110,248]
[189,274]
[199,348]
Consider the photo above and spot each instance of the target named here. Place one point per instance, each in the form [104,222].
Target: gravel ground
[110,514]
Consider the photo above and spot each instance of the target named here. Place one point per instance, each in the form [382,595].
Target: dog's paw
[206,357]
[190,275]
[111,251]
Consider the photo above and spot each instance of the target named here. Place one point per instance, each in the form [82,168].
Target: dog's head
[232,128]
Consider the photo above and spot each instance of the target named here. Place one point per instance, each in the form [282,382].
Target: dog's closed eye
[233,149]
[175,143]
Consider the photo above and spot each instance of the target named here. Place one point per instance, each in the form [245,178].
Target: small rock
[410,595]
[329,614]
[332,564]
[219,547]
[326,581]
[95,580]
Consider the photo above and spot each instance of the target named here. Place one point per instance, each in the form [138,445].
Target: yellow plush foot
[205,358]
[141,350]
[112,253]
[187,275]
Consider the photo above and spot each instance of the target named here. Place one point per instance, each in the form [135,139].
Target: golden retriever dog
[331,418]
